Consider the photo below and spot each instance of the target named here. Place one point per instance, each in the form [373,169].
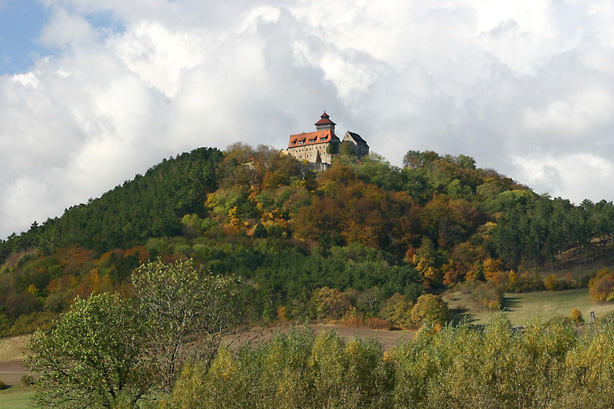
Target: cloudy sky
[93,92]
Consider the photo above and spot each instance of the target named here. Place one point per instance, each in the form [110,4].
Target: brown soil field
[11,372]
[387,338]
[12,351]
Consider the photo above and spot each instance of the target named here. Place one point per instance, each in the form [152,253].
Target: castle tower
[325,123]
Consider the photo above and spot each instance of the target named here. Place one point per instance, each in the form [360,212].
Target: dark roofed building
[361,148]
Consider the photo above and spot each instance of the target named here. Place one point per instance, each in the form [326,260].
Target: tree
[397,310]
[330,303]
[426,261]
[431,309]
[187,312]
[92,357]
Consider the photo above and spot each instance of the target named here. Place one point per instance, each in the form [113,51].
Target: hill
[340,243]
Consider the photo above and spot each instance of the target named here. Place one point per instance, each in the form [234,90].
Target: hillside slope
[307,245]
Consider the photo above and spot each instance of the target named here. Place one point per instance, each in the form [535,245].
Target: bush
[377,323]
[397,310]
[601,287]
[551,283]
[330,303]
[27,324]
[293,370]
[576,316]
[430,309]
[484,294]
[494,305]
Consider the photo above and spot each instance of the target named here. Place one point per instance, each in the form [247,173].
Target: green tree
[187,312]
[92,357]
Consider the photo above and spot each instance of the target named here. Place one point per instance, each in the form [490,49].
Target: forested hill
[148,206]
[363,227]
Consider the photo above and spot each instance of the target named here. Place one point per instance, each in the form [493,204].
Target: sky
[94,92]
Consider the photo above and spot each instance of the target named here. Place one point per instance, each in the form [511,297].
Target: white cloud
[67,29]
[526,87]
[575,114]
[27,80]
[575,176]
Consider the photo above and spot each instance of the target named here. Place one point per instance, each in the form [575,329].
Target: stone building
[321,146]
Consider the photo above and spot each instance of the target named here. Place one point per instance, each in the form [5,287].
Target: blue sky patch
[21,22]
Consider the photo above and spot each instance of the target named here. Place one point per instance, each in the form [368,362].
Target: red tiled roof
[311,138]
[324,120]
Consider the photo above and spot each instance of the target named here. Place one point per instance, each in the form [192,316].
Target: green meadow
[15,397]
[546,304]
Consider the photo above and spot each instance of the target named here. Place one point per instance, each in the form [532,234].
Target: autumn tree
[431,309]
[330,303]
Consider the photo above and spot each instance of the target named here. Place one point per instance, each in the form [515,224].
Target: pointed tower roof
[324,120]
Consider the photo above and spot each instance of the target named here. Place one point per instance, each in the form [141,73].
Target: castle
[321,146]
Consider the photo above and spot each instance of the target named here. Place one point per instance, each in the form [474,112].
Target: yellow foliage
[224,364]
[491,267]
[282,313]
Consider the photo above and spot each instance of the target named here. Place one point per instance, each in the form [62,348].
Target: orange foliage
[551,282]
[491,267]
[65,282]
[93,283]
[75,260]
[601,287]
[141,250]
[378,323]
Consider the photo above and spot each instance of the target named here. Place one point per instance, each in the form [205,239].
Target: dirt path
[11,372]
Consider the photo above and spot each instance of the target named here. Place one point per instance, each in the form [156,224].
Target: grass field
[15,397]
[546,304]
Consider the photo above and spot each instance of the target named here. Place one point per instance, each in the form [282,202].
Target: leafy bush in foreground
[549,365]
[294,370]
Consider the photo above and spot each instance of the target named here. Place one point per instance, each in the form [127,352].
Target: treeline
[282,281]
[147,206]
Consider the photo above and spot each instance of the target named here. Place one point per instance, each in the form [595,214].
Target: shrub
[576,316]
[27,324]
[330,303]
[551,283]
[601,287]
[293,370]
[483,293]
[494,305]
[430,308]
[352,321]
[397,310]
[377,323]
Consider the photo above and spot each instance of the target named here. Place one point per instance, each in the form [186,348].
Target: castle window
[312,140]
[322,139]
